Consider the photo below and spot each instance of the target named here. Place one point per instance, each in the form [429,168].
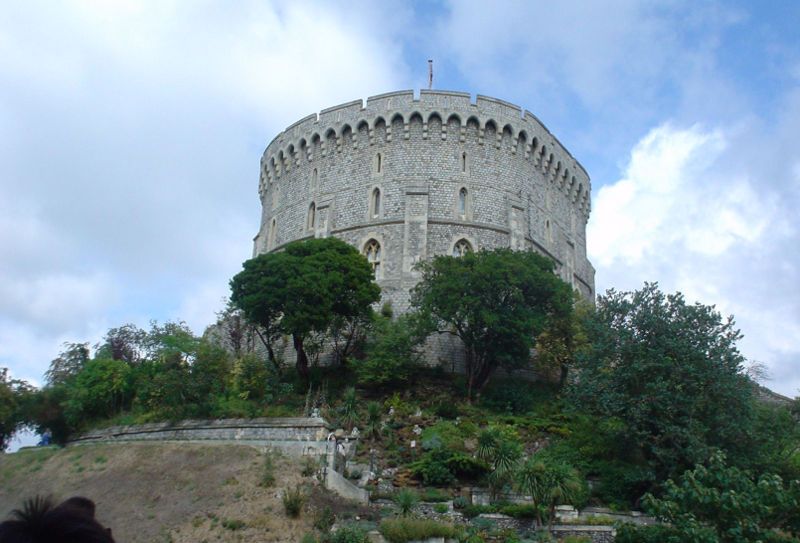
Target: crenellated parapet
[433,116]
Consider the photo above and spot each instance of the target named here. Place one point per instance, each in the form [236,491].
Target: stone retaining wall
[296,435]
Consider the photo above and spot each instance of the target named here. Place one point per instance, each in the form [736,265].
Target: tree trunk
[482,377]
[302,358]
[270,352]
[562,379]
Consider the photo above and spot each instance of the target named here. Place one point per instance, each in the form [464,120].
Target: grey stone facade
[419,177]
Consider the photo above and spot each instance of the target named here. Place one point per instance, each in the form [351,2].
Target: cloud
[686,213]
[130,138]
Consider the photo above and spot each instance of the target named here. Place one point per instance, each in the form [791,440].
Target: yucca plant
[406,499]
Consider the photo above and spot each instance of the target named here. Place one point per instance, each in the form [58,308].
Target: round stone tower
[404,179]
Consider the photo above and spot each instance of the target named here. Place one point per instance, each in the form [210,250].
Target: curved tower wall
[449,172]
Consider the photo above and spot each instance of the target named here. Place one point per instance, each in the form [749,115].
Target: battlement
[494,122]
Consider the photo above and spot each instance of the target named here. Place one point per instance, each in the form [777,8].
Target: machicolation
[404,178]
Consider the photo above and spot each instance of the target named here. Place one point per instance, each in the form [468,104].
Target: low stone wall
[296,435]
[338,483]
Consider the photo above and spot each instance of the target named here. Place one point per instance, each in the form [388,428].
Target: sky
[131,134]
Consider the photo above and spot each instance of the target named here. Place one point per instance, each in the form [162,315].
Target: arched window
[461,207]
[461,248]
[378,163]
[372,250]
[314,179]
[273,227]
[312,216]
[375,203]
[463,162]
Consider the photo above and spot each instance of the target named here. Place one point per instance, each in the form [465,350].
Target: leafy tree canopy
[717,503]
[13,395]
[497,302]
[670,371]
[302,289]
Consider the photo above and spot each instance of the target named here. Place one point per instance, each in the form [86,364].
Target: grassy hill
[163,492]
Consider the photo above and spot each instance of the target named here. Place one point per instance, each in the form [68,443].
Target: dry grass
[177,492]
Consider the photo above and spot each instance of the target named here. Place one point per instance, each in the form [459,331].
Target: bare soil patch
[170,492]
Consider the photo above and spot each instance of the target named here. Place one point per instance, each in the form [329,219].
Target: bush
[391,351]
[324,519]
[267,471]
[434,495]
[441,508]
[293,501]
[460,502]
[511,397]
[472,511]
[406,499]
[347,534]
[519,510]
[233,524]
[406,529]
[309,467]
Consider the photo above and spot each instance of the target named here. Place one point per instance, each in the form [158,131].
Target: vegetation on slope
[656,386]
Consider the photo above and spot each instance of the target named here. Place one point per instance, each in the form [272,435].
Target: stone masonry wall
[300,435]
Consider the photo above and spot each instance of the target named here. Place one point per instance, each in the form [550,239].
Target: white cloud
[130,137]
[686,214]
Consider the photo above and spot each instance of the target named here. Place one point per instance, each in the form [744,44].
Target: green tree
[497,302]
[549,484]
[101,389]
[68,363]
[126,343]
[720,503]
[392,352]
[670,371]
[13,395]
[301,289]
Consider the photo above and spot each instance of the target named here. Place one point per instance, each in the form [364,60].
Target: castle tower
[405,179]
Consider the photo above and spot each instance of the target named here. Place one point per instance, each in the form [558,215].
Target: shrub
[519,510]
[267,471]
[233,524]
[441,508]
[472,511]
[460,502]
[293,501]
[308,538]
[406,529]
[406,499]
[309,467]
[392,353]
[324,519]
[347,534]
[514,398]
[434,495]
[577,539]
[447,410]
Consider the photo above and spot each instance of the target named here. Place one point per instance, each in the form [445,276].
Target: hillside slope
[178,492]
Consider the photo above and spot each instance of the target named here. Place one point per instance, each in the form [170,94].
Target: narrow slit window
[462,203]
[379,163]
[463,162]
[314,179]
[312,216]
[375,203]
